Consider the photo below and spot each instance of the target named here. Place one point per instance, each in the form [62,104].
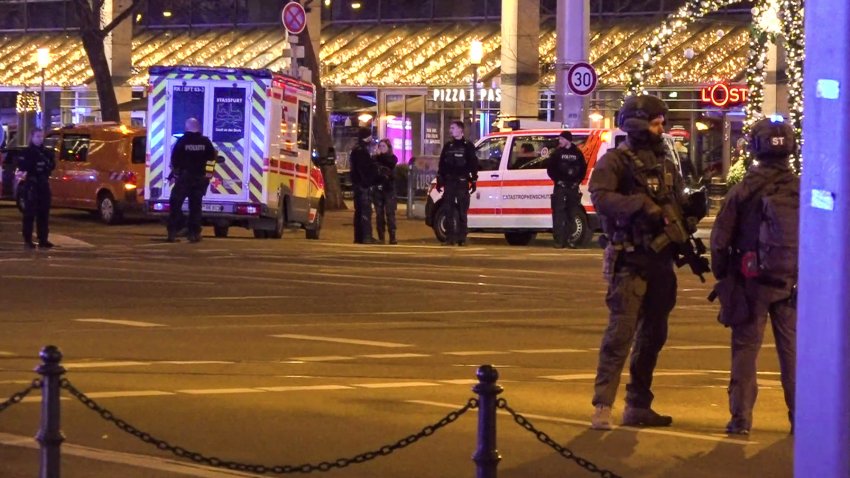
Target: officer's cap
[772,137]
[364,133]
[566,135]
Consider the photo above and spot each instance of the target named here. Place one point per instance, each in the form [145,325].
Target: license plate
[212,208]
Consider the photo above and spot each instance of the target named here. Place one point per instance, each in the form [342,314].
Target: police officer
[624,188]
[364,175]
[189,159]
[383,193]
[37,162]
[736,231]
[457,173]
[566,167]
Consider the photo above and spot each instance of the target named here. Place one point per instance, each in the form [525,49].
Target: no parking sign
[294,17]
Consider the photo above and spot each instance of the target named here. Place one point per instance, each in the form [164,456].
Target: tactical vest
[456,156]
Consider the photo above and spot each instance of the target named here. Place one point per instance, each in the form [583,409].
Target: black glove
[439,185]
[472,187]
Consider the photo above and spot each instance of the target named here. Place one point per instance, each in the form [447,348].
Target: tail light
[248,209]
[130,180]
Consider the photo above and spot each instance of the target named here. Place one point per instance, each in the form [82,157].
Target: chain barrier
[18,397]
[263,469]
[547,440]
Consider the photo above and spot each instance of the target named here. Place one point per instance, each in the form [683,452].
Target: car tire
[314,230]
[107,209]
[583,235]
[439,222]
[279,223]
[221,231]
[520,238]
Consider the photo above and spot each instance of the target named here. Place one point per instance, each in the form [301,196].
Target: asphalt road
[293,351]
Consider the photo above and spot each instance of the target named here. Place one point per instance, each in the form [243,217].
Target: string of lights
[793,12]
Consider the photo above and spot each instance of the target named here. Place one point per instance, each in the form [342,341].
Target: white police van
[514,191]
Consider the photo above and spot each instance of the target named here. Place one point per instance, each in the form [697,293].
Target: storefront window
[351,110]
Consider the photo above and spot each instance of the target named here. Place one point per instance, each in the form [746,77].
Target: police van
[260,123]
[514,191]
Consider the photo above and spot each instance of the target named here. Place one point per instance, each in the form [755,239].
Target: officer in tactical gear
[189,160]
[38,162]
[383,193]
[566,167]
[765,260]
[364,175]
[625,188]
[457,174]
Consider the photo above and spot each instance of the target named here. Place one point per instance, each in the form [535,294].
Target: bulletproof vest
[194,153]
[43,164]
[567,161]
[456,155]
[643,173]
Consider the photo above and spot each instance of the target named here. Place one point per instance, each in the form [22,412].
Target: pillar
[775,81]
[520,59]
[573,38]
[822,430]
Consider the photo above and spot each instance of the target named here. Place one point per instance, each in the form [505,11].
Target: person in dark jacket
[457,174]
[189,160]
[364,175]
[625,188]
[768,292]
[37,162]
[566,167]
[383,193]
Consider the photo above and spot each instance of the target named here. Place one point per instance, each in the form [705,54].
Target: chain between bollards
[487,455]
[50,434]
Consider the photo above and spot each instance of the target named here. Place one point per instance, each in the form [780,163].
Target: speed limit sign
[582,78]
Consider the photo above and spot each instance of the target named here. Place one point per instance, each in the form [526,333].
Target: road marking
[129,459]
[128,323]
[591,376]
[299,388]
[583,423]
[129,394]
[396,385]
[698,347]
[472,353]
[195,362]
[391,356]
[219,391]
[572,376]
[460,381]
[324,358]
[250,297]
[340,340]
[67,241]
[7,354]
[105,279]
[103,364]
[548,351]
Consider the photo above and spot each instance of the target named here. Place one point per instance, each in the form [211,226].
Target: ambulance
[514,191]
[260,123]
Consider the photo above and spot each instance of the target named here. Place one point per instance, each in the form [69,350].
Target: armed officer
[566,167]
[457,174]
[37,162]
[364,175]
[629,186]
[189,160]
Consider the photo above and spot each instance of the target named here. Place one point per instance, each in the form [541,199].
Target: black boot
[393,240]
[381,236]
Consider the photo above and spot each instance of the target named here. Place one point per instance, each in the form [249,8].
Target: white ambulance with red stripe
[260,123]
[514,191]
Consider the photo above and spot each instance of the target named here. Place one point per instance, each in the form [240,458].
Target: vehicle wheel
[279,224]
[583,235]
[439,223]
[520,238]
[260,234]
[315,229]
[221,231]
[107,210]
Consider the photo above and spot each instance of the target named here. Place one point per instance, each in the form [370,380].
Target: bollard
[487,457]
[49,435]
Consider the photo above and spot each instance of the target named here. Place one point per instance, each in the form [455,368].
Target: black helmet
[638,111]
[773,138]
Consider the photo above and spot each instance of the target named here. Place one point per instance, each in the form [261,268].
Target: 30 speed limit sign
[582,78]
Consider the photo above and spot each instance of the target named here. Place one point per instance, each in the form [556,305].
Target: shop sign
[457,95]
[724,95]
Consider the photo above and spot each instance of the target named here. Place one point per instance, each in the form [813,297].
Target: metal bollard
[487,457]
[49,435]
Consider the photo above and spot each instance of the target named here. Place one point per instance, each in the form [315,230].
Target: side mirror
[220,159]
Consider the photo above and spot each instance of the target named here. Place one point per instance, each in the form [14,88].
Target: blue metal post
[487,456]
[822,442]
[49,434]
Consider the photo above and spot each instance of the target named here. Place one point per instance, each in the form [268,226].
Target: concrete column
[775,83]
[314,26]
[573,38]
[520,58]
[119,51]
[822,430]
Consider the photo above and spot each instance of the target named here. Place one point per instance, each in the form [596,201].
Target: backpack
[768,231]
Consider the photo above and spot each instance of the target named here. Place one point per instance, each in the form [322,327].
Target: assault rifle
[679,231]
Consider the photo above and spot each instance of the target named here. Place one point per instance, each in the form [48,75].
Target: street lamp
[43,55]
[476,52]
